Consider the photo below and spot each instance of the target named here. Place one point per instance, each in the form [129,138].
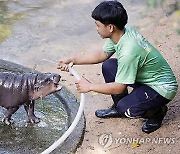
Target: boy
[138,65]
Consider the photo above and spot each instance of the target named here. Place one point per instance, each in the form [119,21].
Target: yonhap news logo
[106,140]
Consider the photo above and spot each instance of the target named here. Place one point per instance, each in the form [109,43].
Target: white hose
[74,123]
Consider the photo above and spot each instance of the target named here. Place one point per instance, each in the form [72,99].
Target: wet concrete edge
[70,104]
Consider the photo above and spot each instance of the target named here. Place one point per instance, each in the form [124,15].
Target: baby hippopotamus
[24,89]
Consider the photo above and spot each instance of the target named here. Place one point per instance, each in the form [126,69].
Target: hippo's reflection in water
[23,137]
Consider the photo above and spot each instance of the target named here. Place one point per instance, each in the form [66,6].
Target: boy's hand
[62,65]
[83,85]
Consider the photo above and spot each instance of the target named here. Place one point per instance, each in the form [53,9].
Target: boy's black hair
[111,12]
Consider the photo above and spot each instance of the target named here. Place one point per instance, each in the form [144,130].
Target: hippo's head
[46,83]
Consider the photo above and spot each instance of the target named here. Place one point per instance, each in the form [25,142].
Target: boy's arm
[112,88]
[92,57]
[89,58]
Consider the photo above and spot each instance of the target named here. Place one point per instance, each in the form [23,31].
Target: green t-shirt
[140,62]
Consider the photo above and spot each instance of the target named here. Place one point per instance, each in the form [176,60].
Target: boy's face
[103,30]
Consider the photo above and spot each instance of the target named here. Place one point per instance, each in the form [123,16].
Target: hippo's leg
[30,112]
[8,114]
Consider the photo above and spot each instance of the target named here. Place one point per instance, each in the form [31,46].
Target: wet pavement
[34,30]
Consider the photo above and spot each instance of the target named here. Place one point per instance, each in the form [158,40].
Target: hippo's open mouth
[56,81]
[58,86]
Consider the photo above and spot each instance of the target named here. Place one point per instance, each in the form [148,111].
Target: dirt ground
[113,136]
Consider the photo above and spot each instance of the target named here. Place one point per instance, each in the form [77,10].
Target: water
[23,137]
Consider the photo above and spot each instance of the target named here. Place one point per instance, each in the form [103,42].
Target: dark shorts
[141,99]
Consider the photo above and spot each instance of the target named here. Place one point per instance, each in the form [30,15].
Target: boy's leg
[144,102]
[109,69]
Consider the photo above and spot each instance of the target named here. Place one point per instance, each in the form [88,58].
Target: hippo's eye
[37,86]
[56,84]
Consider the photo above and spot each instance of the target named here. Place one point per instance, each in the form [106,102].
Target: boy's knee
[129,112]
[121,108]
[106,65]
[109,65]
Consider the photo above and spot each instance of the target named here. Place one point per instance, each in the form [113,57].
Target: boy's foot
[107,113]
[155,122]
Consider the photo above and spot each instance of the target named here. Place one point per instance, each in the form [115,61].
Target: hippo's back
[14,88]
